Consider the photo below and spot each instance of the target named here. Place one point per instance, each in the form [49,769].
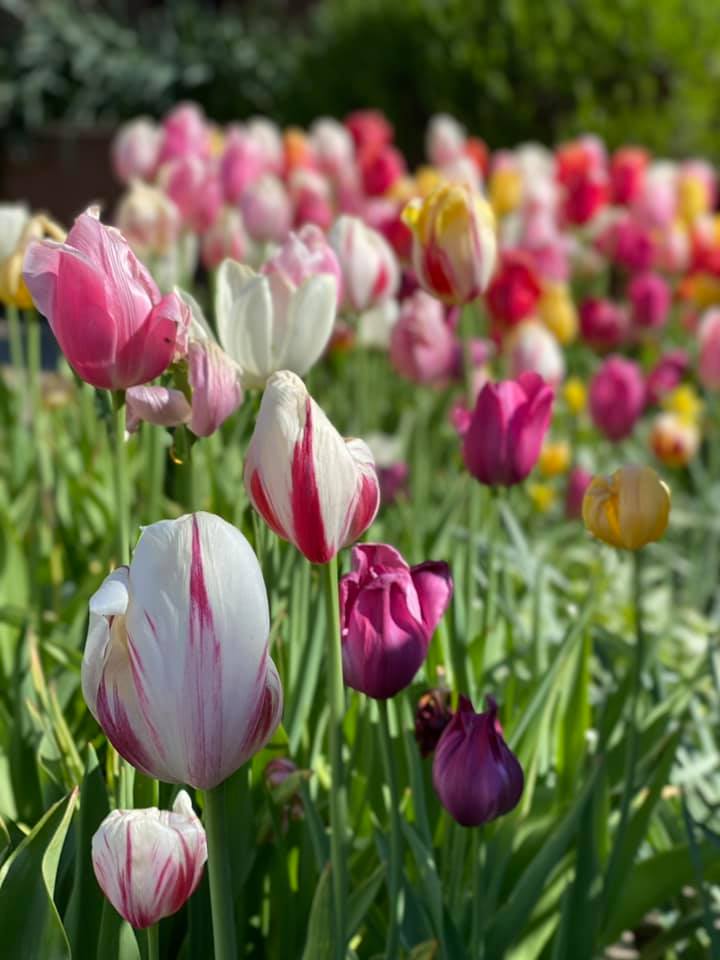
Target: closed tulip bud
[185,133]
[267,135]
[104,308]
[575,395]
[578,482]
[557,311]
[389,612]
[674,440]
[627,174]
[369,129]
[422,342]
[585,196]
[160,406]
[194,187]
[176,668]
[445,140]
[603,324]
[266,210]
[656,205]
[282,317]
[241,164]
[696,189]
[149,862]
[148,219]
[475,774]
[332,146]
[515,290]
[531,347]
[507,429]
[311,486]
[649,297]
[13,287]
[617,397]
[369,268]
[709,343]
[432,715]
[135,150]
[225,239]
[380,169]
[454,244]
[628,509]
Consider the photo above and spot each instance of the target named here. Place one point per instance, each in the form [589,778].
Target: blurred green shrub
[631,70]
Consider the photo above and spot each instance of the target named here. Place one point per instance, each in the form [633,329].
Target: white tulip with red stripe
[311,486]
[149,862]
[176,668]
[369,267]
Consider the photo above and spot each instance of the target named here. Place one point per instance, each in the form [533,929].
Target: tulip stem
[15,339]
[153,942]
[336,699]
[221,900]
[395,860]
[120,477]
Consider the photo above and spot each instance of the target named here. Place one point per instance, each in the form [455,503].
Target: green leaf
[319,945]
[363,897]
[30,925]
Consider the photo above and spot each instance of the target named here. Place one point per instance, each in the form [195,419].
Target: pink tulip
[224,239]
[149,862]
[507,429]
[176,667]
[666,374]
[627,174]
[193,185]
[135,150]
[311,486]
[445,140]
[617,397]
[304,254]
[423,346]
[577,483]
[475,774]
[633,245]
[656,205]
[161,406]
[584,197]
[393,480]
[332,147]
[104,308]
[389,612]
[148,219]
[709,343]
[311,197]
[216,388]
[369,128]
[241,164]
[267,210]
[184,134]
[649,297]
[370,271]
[380,169]
[603,324]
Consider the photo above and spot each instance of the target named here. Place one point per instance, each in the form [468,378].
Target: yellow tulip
[13,290]
[542,496]
[554,459]
[684,403]
[557,311]
[575,395]
[505,191]
[629,509]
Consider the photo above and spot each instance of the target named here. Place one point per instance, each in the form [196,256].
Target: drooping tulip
[311,486]
[389,612]
[149,862]
[369,268]
[215,380]
[617,397]
[282,317]
[475,774]
[423,345]
[176,667]
[629,509]
[454,244]
[507,429]
[104,308]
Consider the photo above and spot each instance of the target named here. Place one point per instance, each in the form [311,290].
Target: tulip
[422,343]
[266,210]
[656,205]
[454,244]
[389,612]
[225,239]
[282,317]
[628,509]
[332,146]
[160,406]
[380,170]
[627,174]
[13,220]
[709,343]
[393,481]
[176,668]
[149,862]
[506,189]
[104,308]
[445,140]
[266,134]
[649,297]
[311,196]
[135,149]
[696,189]
[575,395]
[185,133]
[603,324]
[475,774]
[666,374]
[674,440]
[633,245]
[369,268]
[584,197]
[311,487]
[617,397]
[557,311]
[515,290]
[215,380]
[507,429]
[578,482]
[554,458]
[432,715]
[193,185]
[369,129]
[532,347]
[148,219]
[241,164]
[13,288]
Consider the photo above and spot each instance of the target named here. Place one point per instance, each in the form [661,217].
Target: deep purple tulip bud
[432,715]
[389,612]
[476,775]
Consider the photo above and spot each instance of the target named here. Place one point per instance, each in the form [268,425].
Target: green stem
[478,856]
[157,472]
[221,900]
[338,800]
[491,576]
[153,942]
[122,505]
[15,337]
[395,861]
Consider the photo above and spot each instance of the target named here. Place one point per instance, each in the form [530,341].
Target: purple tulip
[507,428]
[476,775]
[617,397]
[389,612]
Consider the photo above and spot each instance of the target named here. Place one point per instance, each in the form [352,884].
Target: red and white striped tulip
[369,268]
[176,667]
[311,486]
[149,862]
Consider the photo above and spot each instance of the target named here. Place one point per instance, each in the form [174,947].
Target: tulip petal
[216,388]
[434,587]
[161,406]
[244,313]
[311,315]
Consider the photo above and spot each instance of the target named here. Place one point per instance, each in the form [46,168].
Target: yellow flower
[693,198]
[629,509]
[542,496]
[557,311]
[505,191]
[575,395]
[427,179]
[554,459]
[13,290]
[684,402]
[702,288]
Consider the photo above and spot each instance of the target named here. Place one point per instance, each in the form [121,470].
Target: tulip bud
[603,324]
[216,388]
[369,268]
[627,174]
[422,343]
[104,308]
[266,210]
[224,240]
[557,311]
[649,297]
[628,509]
[554,459]
[674,440]
[575,395]
[506,187]
[242,163]
[380,170]
[176,668]
[507,429]
[585,196]
[454,244]
[709,343]
[445,140]
[515,290]
[476,775]
[149,862]
[310,486]
[369,129]
[389,612]
[185,133]
[193,185]
[311,195]
[532,347]
[617,397]
[431,717]
[148,219]
[332,146]
[135,150]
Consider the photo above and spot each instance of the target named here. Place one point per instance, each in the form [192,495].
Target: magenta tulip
[389,612]
[107,313]
[617,397]
[507,428]
[475,774]
[649,297]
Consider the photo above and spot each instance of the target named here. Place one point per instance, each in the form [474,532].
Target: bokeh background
[511,70]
